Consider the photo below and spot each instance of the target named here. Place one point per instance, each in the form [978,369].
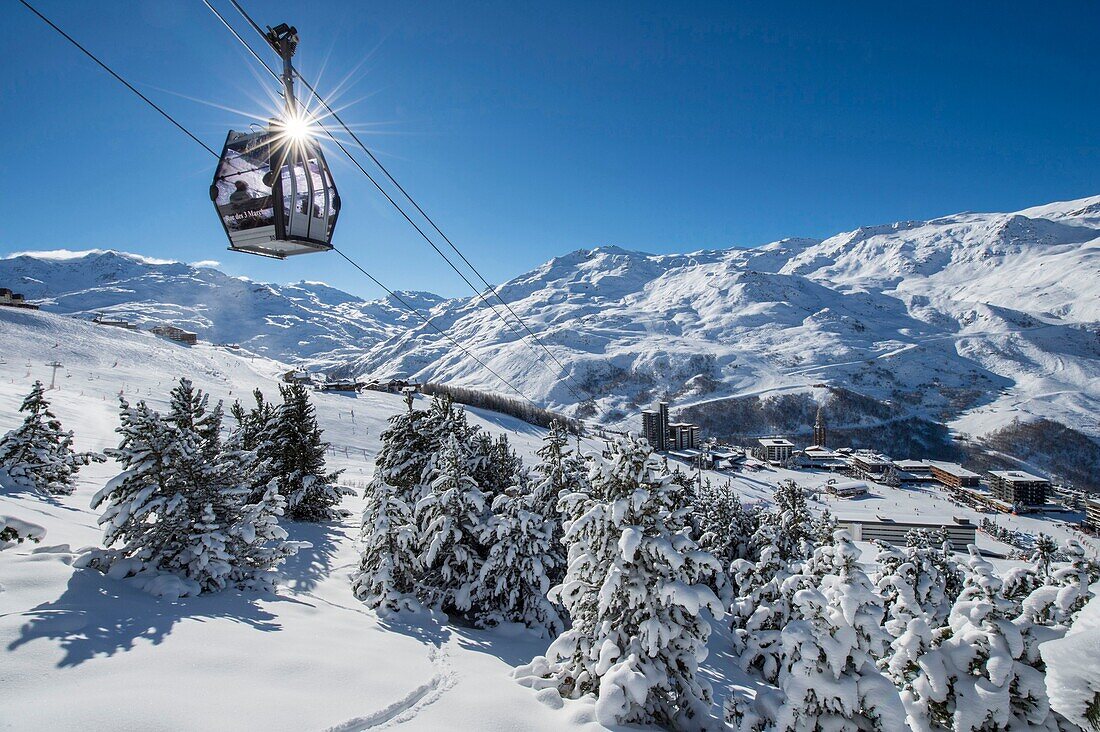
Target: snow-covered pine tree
[179,509]
[389,567]
[724,526]
[965,681]
[38,454]
[828,679]
[762,608]
[451,521]
[406,453]
[1043,555]
[789,524]
[1073,580]
[560,471]
[251,439]
[515,577]
[634,593]
[298,460]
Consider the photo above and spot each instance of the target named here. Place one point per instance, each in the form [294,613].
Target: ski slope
[81,651]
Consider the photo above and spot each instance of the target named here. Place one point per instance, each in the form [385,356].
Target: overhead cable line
[427,320]
[122,81]
[568,380]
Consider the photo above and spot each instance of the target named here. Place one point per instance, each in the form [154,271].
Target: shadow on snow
[98,616]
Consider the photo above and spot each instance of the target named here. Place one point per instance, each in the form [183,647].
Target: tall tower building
[819,429]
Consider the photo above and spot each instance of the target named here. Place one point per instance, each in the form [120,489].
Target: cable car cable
[420,210]
[427,320]
[122,81]
[394,203]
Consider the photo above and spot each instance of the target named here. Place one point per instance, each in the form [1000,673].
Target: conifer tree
[298,460]
[828,679]
[789,524]
[38,454]
[451,521]
[560,472]
[180,506]
[389,567]
[634,593]
[406,453]
[515,577]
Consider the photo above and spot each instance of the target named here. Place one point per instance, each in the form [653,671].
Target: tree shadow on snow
[98,616]
[308,567]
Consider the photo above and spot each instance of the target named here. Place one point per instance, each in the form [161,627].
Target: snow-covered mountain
[969,320]
[305,320]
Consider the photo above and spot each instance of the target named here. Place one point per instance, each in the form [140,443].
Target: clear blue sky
[532,129]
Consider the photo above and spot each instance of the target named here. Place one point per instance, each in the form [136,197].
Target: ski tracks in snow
[412,703]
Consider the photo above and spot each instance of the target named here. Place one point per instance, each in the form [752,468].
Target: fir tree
[827,678]
[788,525]
[515,577]
[451,521]
[298,460]
[634,593]
[389,567]
[39,454]
[180,506]
[560,472]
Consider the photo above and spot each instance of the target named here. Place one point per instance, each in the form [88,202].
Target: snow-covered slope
[80,650]
[305,320]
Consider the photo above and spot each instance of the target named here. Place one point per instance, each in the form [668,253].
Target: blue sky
[528,130]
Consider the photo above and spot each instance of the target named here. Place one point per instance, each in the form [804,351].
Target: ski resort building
[960,531]
[114,322]
[817,457]
[914,471]
[870,465]
[953,475]
[15,300]
[173,333]
[848,489]
[663,435]
[776,450]
[1016,487]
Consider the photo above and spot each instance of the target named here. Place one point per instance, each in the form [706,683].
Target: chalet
[1018,488]
[393,386]
[960,532]
[353,386]
[297,376]
[172,333]
[953,475]
[776,450]
[15,300]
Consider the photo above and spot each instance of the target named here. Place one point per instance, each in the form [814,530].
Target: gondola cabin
[274,194]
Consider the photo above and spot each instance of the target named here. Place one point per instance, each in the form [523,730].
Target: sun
[296,127]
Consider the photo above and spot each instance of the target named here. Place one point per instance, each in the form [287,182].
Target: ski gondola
[273,190]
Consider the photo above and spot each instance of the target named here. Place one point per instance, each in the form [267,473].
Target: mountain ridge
[970,319]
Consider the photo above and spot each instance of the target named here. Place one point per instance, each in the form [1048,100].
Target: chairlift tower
[55,365]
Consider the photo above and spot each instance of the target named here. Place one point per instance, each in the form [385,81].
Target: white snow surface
[975,318]
[80,650]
